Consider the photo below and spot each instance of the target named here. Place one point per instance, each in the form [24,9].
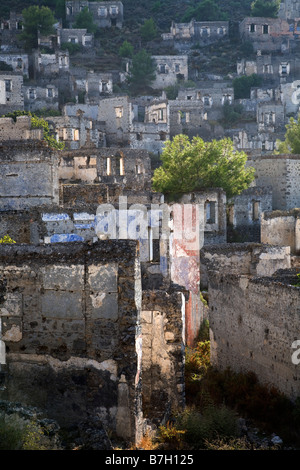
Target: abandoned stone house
[274,68]
[105,14]
[77,131]
[49,65]
[202,32]
[134,123]
[18,62]
[170,70]
[74,36]
[11,92]
[186,117]
[267,34]
[38,97]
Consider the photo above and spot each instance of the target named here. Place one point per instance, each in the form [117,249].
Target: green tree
[242,85]
[36,19]
[265,8]
[142,70]
[148,30]
[291,144]
[84,20]
[188,165]
[126,50]
[207,10]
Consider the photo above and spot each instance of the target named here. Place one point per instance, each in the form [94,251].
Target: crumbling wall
[11,95]
[162,322]
[169,69]
[254,323]
[282,173]
[282,228]
[28,175]
[70,318]
[245,212]
[243,258]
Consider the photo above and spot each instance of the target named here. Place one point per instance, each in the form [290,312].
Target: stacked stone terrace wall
[70,318]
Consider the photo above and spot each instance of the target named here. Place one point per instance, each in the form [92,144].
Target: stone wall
[282,228]
[11,95]
[243,258]
[282,173]
[28,175]
[254,323]
[245,212]
[70,318]
[162,322]
[169,69]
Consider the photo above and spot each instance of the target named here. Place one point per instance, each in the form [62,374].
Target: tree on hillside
[265,8]
[242,85]
[126,50]
[84,20]
[36,19]
[291,144]
[207,10]
[148,30]
[142,70]
[188,165]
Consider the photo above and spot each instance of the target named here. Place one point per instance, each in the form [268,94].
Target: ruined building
[105,14]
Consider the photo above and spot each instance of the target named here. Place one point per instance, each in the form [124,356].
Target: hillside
[162,11]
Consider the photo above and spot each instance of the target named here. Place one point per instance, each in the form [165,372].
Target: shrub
[7,239]
[170,436]
[213,423]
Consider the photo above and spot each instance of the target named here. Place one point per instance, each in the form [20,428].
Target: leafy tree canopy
[36,19]
[207,10]
[188,165]
[126,50]
[242,85]
[291,144]
[148,30]
[142,70]
[265,8]
[84,20]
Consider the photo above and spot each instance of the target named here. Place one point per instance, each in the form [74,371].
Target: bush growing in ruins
[188,165]
[38,123]
[7,239]
[291,144]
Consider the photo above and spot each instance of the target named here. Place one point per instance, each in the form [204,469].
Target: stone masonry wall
[244,259]
[162,322]
[70,318]
[254,323]
[28,175]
